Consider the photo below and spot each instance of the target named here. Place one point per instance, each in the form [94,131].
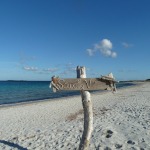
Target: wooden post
[84,85]
[88,113]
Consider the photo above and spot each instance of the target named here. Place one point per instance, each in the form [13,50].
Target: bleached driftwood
[86,84]
[88,113]
[83,84]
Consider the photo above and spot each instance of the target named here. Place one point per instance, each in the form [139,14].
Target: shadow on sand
[12,145]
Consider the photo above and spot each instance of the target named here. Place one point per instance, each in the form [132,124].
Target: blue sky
[39,39]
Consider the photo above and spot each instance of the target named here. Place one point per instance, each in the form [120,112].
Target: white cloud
[105,44]
[126,45]
[30,68]
[40,70]
[69,70]
[51,70]
[104,47]
[70,67]
[113,54]
[90,52]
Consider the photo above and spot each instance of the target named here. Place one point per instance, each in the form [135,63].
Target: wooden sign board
[86,84]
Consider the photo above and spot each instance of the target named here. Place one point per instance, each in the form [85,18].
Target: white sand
[121,121]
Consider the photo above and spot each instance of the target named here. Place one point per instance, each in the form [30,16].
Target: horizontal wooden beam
[86,84]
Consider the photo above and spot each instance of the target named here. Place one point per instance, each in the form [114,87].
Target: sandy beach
[121,121]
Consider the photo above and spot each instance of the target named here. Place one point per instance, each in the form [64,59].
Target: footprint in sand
[118,146]
[107,148]
[109,133]
[130,142]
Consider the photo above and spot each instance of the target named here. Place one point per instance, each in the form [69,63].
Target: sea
[14,92]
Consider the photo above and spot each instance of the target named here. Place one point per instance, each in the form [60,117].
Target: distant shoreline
[49,80]
[22,81]
[63,97]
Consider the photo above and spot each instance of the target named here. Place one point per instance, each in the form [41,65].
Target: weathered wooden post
[88,113]
[83,84]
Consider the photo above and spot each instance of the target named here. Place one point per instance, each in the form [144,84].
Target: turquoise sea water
[24,91]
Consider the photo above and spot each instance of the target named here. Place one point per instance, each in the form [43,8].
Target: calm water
[19,91]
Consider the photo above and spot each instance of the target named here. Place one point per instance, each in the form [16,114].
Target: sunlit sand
[121,121]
